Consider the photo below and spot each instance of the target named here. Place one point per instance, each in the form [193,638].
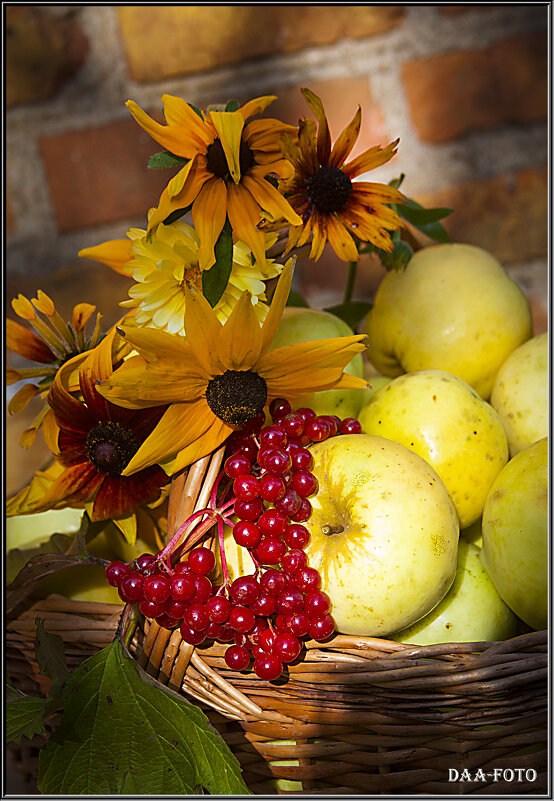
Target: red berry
[145,561]
[279,407]
[298,623]
[246,488]
[237,465]
[265,605]
[321,628]
[272,523]
[203,588]
[306,413]
[237,657]
[190,636]
[182,567]
[289,504]
[290,601]
[255,423]
[269,551]
[304,513]
[286,647]
[302,459]
[226,634]
[317,604]
[218,608]
[271,488]
[196,617]
[131,587]
[304,483]
[157,587]
[201,561]
[244,590]
[317,429]
[334,423]
[307,579]
[175,609]
[241,619]
[214,631]
[116,570]
[249,510]
[281,622]
[167,622]
[277,462]
[296,536]
[293,424]
[350,426]
[273,582]
[268,667]
[183,587]
[294,560]
[150,609]
[246,533]
[272,437]
[249,450]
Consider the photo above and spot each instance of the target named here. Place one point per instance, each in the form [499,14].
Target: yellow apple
[453,308]
[473,533]
[515,534]
[443,420]
[384,533]
[520,394]
[471,610]
[300,324]
[29,531]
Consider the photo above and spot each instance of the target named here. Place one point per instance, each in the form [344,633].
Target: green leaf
[396,182]
[418,216]
[398,258]
[214,280]
[296,299]
[50,654]
[232,105]
[352,312]
[435,231]
[24,717]
[124,733]
[196,109]
[176,215]
[165,159]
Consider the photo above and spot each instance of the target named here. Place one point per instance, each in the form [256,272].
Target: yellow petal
[128,527]
[138,385]
[323,136]
[155,345]
[241,338]
[176,139]
[82,312]
[23,308]
[341,241]
[44,304]
[178,112]
[203,331]
[27,344]
[270,199]
[371,158]
[346,141]
[278,303]
[245,216]
[22,398]
[178,181]
[256,106]
[208,215]
[215,436]
[181,425]
[229,125]
[116,253]
[50,431]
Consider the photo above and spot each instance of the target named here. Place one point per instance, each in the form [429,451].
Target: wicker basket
[356,715]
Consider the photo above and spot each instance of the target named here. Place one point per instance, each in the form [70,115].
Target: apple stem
[330,530]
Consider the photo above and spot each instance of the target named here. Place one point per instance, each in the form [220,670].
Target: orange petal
[371,158]
[256,106]
[27,344]
[278,303]
[179,113]
[346,141]
[270,199]
[203,331]
[241,339]
[319,230]
[244,216]
[22,398]
[175,186]
[340,240]
[117,254]
[82,312]
[176,139]
[215,436]
[307,142]
[323,136]
[196,179]
[50,431]
[208,215]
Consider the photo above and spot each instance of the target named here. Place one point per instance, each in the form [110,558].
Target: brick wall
[464,87]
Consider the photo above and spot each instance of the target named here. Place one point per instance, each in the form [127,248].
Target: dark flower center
[329,188]
[110,447]
[217,163]
[236,396]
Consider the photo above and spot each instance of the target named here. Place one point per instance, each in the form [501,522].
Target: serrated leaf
[296,299]
[123,732]
[232,105]
[24,718]
[418,216]
[352,312]
[398,258]
[215,280]
[165,159]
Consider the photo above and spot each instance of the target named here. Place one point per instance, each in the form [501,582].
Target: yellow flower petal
[269,199]
[370,159]
[82,312]
[245,216]
[323,136]
[23,308]
[116,253]
[346,141]
[278,303]
[44,304]
[176,139]
[241,337]
[208,215]
[256,106]
[212,438]
[178,181]
[22,398]
[340,240]
[229,125]
[203,331]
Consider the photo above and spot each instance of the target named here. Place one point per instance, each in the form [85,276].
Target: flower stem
[350,280]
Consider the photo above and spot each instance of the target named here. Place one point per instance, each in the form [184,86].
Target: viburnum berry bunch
[264,616]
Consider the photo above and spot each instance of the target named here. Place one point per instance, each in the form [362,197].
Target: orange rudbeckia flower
[225,175]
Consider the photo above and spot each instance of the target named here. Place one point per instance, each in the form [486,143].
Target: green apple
[442,419]
[520,394]
[515,534]
[452,308]
[384,533]
[471,610]
[29,531]
[300,324]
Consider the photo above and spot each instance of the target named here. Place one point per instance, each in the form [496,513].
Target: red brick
[453,93]
[341,98]
[507,215]
[164,41]
[455,10]
[41,53]
[100,175]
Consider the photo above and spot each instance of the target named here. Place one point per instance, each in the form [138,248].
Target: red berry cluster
[264,615]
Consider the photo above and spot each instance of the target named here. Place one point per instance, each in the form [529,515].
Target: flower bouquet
[188,449]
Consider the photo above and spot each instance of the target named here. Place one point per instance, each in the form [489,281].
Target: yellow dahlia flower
[163,262]
[225,175]
[322,190]
[219,377]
